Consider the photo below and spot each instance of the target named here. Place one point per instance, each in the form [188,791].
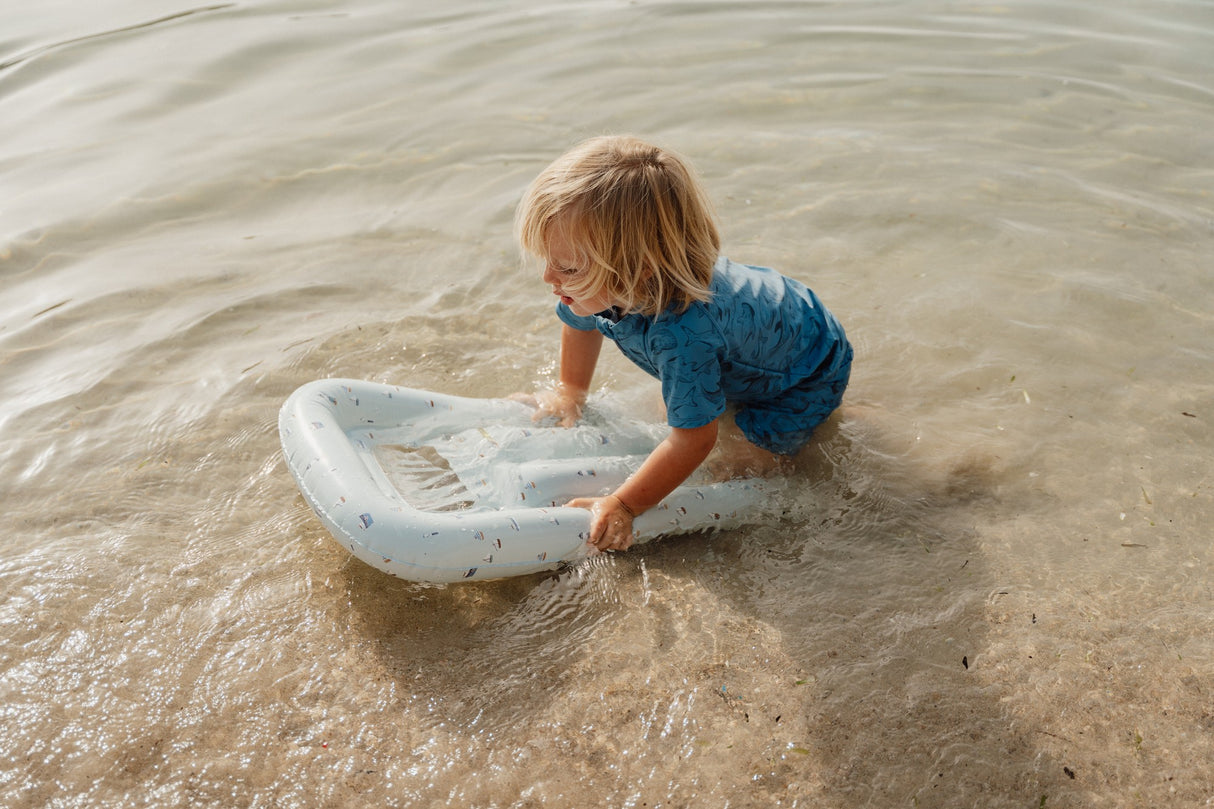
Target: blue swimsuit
[763,342]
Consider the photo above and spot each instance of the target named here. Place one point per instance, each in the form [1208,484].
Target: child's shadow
[851,631]
[872,597]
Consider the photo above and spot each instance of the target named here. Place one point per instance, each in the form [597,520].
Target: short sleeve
[579,322]
[688,356]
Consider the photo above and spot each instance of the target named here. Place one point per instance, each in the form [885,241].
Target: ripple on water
[1007,205]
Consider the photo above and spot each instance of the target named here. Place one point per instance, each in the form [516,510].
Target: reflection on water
[988,586]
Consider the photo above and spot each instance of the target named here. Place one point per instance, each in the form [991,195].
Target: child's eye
[570,271]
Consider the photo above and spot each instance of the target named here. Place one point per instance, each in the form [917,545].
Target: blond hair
[637,216]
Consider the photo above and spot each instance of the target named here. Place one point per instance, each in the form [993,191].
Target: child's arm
[671,462]
[579,356]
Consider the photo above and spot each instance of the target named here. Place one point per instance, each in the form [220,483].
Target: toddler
[631,250]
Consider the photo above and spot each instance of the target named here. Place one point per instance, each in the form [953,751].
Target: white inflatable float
[439,488]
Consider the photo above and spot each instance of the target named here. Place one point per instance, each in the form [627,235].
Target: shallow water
[992,587]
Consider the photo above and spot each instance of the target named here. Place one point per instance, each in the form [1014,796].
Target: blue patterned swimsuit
[764,343]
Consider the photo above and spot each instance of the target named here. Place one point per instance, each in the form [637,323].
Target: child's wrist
[572,392]
[627,508]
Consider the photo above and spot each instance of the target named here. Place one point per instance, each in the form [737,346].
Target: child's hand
[666,467]
[610,522]
[560,403]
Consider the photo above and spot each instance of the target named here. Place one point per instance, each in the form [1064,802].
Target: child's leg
[763,438]
[734,456]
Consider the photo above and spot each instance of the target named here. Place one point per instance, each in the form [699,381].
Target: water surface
[992,585]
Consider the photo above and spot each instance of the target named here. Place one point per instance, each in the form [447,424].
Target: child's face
[564,266]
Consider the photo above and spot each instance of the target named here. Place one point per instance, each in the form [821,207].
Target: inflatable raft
[440,488]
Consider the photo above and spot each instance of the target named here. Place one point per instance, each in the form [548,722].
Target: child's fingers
[596,519]
[551,404]
[523,398]
[610,526]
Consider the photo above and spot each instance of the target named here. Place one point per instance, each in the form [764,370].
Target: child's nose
[550,274]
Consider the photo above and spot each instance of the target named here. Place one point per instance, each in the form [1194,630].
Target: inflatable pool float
[440,488]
